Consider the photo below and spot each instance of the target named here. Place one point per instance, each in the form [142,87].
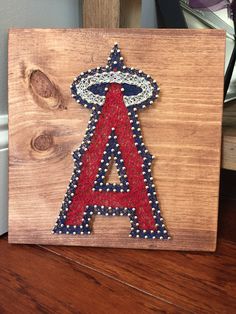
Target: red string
[114,114]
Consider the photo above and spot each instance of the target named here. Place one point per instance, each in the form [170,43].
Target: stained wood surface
[52,279]
[123,13]
[183,129]
[111,13]
[101,13]
[130,13]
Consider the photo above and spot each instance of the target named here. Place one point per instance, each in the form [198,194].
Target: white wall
[148,14]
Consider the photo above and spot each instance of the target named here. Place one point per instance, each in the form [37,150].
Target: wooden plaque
[182,129]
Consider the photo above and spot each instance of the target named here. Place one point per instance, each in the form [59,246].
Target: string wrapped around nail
[114,93]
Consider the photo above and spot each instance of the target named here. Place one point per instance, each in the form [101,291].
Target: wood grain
[64,286]
[197,282]
[130,13]
[101,13]
[183,129]
[187,280]
[111,13]
[166,282]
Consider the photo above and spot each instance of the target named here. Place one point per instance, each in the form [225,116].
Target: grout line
[113,278]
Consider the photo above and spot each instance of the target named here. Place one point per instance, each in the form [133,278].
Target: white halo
[114,77]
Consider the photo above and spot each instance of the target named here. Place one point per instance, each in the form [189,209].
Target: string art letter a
[114,94]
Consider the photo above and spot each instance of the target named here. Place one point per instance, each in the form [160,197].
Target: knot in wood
[41,84]
[42,142]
